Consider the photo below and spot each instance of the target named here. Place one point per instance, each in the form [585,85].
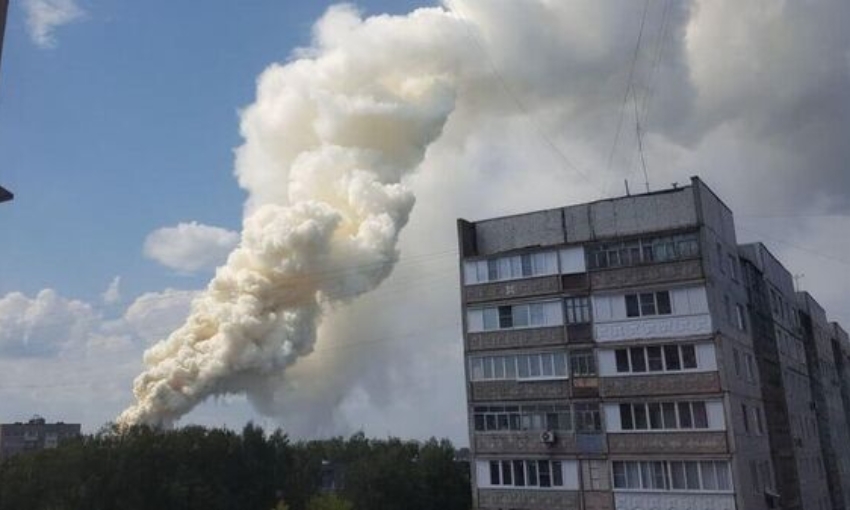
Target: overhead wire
[629,87]
[520,104]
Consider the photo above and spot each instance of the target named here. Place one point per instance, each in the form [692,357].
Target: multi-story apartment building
[827,399]
[611,362]
[36,434]
[781,358]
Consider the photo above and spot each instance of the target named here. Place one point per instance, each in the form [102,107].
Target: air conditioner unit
[548,437]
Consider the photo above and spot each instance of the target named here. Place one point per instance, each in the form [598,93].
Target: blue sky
[127,125]
[120,123]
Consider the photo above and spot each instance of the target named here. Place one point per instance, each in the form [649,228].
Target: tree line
[201,468]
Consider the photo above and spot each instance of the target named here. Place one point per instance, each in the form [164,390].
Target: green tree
[329,502]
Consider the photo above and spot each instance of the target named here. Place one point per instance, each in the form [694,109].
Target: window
[577,309]
[663,416]
[655,358]
[588,418]
[547,365]
[746,418]
[533,315]
[741,317]
[510,268]
[737,359]
[643,251]
[582,363]
[672,475]
[750,365]
[527,473]
[648,304]
[733,267]
[757,421]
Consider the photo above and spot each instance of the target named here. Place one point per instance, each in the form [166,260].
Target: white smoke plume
[328,144]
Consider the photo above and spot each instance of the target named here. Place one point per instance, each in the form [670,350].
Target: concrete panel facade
[516,338]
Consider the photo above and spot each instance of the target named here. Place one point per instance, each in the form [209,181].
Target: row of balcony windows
[635,252]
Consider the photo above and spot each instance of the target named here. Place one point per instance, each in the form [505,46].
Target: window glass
[663,299]
[709,477]
[639,411]
[685,419]
[677,475]
[647,303]
[519,473]
[626,421]
[477,368]
[507,479]
[494,473]
[547,369]
[632,307]
[543,473]
[633,475]
[659,475]
[653,357]
[534,365]
[622,356]
[654,410]
[510,367]
[520,316]
[671,357]
[498,367]
[492,270]
[479,422]
[491,319]
[488,367]
[692,475]
[700,416]
[668,409]
[506,317]
[522,366]
[560,365]
[619,475]
[645,475]
[723,480]
[531,473]
[557,474]
[638,359]
[689,356]
[746,418]
[526,265]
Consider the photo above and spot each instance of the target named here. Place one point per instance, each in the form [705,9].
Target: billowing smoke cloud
[525,98]
[328,144]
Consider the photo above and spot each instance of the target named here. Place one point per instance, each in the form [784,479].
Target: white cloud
[44,325]
[45,16]
[58,355]
[190,247]
[112,294]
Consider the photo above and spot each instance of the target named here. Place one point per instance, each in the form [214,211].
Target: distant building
[34,435]
[628,354]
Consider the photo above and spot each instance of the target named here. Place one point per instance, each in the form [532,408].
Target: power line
[516,99]
[629,87]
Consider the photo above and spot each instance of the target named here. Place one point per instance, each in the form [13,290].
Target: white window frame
[508,367]
[631,472]
[664,359]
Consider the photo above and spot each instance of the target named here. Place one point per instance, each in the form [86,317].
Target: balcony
[566,442]
[668,442]
[644,500]
[481,391]
[523,443]
[636,276]
[654,327]
[515,338]
[580,333]
[663,384]
[529,499]
[512,289]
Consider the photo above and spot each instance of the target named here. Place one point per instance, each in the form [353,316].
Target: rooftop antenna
[628,193]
